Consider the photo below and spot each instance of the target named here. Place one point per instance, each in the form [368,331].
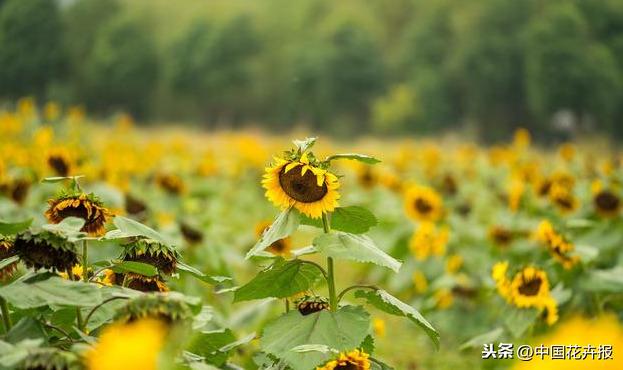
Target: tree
[31,49]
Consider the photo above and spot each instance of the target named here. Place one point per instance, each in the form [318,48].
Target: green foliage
[354,247]
[285,224]
[351,219]
[32,53]
[11,228]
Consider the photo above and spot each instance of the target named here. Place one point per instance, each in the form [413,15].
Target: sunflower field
[126,247]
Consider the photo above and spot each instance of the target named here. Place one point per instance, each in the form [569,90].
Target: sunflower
[17,189]
[191,234]
[59,161]
[353,360]
[7,250]
[74,274]
[50,359]
[301,183]
[134,345]
[562,196]
[557,245]
[172,184]
[529,288]
[135,206]
[153,252]
[606,201]
[423,203]
[281,247]
[146,283]
[454,263]
[501,236]
[428,240]
[165,307]
[420,282]
[85,206]
[43,249]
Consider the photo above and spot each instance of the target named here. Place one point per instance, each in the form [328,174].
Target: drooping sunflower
[423,203]
[134,345]
[558,246]
[172,184]
[85,206]
[606,201]
[7,250]
[167,308]
[43,249]
[146,283]
[59,161]
[49,358]
[353,360]
[191,234]
[153,252]
[529,288]
[281,247]
[135,206]
[300,181]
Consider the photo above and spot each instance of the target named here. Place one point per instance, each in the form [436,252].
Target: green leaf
[11,228]
[69,228]
[354,156]
[604,280]
[342,330]
[314,348]
[12,355]
[127,228]
[518,320]
[353,219]
[7,261]
[368,345]
[43,289]
[304,145]
[286,223]
[26,328]
[187,269]
[358,248]
[282,279]
[386,302]
[379,365]
[55,179]
[208,344]
[479,340]
[135,267]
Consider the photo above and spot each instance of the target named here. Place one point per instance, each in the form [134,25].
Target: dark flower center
[349,366]
[607,201]
[565,202]
[531,287]
[59,165]
[278,246]
[422,206]
[303,188]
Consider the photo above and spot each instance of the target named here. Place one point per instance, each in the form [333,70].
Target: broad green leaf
[488,337]
[12,355]
[11,228]
[127,228]
[386,302]
[7,261]
[69,227]
[376,364]
[304,145]
[208,344]
[314,348]
[358,248]
[42,290]
[353,219]
[342,330]
[604,280]
[187,269]
[518,320]
[286,223]
[135,267]
[354,156]
[282,279]
[26,328]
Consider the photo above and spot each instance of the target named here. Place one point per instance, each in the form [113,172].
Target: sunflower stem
[79,318]
[287,304]
[85,261]
[6,319]
[330,276]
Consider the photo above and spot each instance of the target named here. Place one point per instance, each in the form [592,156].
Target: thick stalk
[85,261]
[330,275]
[6,319]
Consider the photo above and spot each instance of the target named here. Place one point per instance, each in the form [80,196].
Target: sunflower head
[501,236]
[50,359]
[165,307]
[530,287]
[353,360]
[301,181]
[153,252]
[422,203]
[191,234]
[428,240]
[558,246]
[17,189]
[172,184]
[606,201]
[145,283]
[59,161]
[135,206]
[7,250]
[562,196]
[43,249]
[85,206]
[281,247]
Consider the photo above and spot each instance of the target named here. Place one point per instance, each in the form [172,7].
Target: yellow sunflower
[428,240]
[281,247]
[6,251]
[85,206]
[353,360]
[606,201]
[423,203]
[557,245]
[59,160]
[300,184]
[562,196]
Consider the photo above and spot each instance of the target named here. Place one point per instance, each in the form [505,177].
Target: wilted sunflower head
[7,250]
[17,189]
[85,206]
[146,283]
[153,252]
[191,234]
[165,307]
[281,247]
[50,359]
[300,180]
[134,206]
[172,184]
[353,360]
[606,201]
[423,203]
[43,249]
[59,161]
